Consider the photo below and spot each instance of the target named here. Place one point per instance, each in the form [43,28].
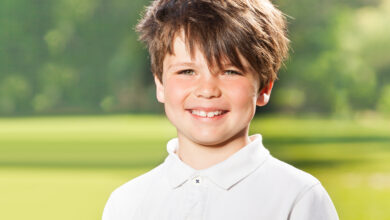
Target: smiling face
[208,106]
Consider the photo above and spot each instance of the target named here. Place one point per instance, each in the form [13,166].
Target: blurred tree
[333,63]
[82,56]
[384,101]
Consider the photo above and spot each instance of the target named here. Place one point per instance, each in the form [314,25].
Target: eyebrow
[190,64]
[193,65]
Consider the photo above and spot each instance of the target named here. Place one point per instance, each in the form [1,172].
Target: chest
[202,200]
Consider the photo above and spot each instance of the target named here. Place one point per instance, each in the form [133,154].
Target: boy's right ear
[159,90]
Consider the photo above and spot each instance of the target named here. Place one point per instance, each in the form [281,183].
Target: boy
[214,61]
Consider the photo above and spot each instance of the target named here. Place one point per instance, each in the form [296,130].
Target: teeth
[206,114]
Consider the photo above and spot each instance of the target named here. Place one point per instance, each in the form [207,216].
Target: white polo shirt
[249,185]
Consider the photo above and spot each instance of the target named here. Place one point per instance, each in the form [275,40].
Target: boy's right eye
[187,72]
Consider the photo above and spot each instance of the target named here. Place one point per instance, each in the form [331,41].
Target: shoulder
[124,200]
[138,184]
[305,193]
[283,180]
[284,172]
[313,203]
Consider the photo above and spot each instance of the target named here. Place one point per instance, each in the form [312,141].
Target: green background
[66,167]
[78,114]
[83,57]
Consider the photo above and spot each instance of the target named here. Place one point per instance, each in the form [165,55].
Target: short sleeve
[316,204]
[108,209]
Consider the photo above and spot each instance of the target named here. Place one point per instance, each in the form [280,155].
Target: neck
[200,156]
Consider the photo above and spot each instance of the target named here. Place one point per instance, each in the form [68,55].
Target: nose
[208,87]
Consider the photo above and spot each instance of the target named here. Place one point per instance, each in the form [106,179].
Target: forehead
[183,53]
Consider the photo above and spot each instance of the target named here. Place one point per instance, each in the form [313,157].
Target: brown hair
[222,29]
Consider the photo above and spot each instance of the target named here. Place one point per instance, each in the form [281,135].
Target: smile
[205,114]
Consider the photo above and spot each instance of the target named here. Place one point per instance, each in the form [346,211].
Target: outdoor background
[79,117]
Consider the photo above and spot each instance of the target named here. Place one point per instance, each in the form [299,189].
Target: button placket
[197,197]
[197,180]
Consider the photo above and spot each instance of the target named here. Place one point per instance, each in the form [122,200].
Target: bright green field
[66,167]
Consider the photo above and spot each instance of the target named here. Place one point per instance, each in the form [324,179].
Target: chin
[208,140]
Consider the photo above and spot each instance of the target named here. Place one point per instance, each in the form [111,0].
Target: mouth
[207,114]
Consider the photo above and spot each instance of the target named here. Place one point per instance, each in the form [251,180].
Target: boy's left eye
[232,72]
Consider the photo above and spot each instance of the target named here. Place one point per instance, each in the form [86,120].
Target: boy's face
[208,106]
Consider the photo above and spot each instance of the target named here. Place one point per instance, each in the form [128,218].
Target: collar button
[197,180]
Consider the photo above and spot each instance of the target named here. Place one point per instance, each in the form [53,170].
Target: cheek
[176,90]
[243,93]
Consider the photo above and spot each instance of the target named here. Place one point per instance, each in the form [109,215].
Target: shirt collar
[225,174]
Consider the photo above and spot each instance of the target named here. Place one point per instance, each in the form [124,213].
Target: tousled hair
[222,29]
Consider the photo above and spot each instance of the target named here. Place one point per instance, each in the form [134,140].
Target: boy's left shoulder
[285,176]
[295,191]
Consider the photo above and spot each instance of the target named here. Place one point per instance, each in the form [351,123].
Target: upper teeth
[206,114]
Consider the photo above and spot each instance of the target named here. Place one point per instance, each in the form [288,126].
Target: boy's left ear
[264,94]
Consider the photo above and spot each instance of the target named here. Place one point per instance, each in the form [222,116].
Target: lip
[207,109]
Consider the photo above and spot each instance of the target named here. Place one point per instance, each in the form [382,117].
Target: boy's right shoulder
[124,200]
[140,183]
[133,191]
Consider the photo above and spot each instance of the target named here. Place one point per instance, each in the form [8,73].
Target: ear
[264,94]
[159,90]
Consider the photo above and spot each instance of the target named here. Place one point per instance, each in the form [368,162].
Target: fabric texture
[250,184]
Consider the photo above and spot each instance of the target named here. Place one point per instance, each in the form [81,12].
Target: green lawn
[65,167]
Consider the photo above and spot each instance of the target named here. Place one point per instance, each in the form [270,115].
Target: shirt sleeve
[316,204]
[108,209]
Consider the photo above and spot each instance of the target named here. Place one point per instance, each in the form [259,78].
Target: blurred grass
[65,167]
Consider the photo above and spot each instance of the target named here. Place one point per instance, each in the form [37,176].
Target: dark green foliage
[82,56]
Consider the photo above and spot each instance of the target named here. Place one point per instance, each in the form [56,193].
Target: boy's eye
[232,72]
[187,72]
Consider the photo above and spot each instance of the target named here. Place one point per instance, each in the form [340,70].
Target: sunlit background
[78,114]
